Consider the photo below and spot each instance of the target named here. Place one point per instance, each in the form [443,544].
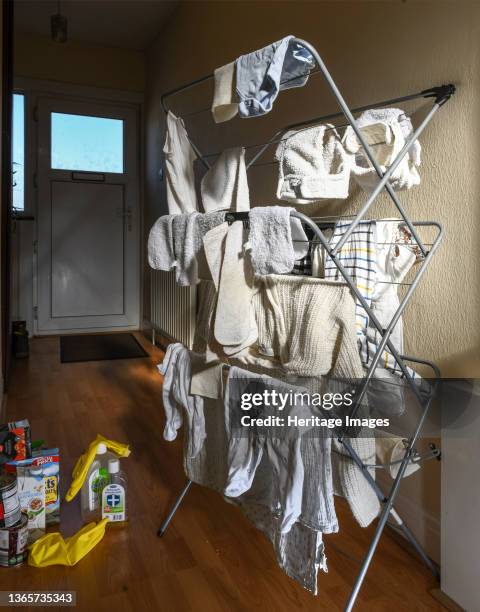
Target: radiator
[172,308]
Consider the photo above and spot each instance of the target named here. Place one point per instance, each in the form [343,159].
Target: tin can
[13,543]
[9,501]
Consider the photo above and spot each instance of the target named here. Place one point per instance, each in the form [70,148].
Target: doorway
[87,248]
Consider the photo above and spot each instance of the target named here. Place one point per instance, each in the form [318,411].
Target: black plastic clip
[231,217]
[442,93]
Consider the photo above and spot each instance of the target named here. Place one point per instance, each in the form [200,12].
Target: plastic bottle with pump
[97,478]
[114,495]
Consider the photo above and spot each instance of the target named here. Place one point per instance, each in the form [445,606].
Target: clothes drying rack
[440,95]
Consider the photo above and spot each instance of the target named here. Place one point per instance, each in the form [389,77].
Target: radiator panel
[172,308]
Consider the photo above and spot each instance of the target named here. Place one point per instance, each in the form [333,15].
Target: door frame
[33,89]
[6,193]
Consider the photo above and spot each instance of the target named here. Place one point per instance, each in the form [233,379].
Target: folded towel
[160,244]
[224,106]
[225,186]
[270,239]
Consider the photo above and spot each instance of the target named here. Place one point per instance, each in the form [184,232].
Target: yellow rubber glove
[84,462]
[52,549]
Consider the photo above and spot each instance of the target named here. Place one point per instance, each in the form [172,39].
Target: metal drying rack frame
[440,95]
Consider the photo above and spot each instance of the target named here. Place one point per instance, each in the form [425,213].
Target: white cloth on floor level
[224,186]
[179,158]
[224,106]
[313,166]
[386,130]
[177,371]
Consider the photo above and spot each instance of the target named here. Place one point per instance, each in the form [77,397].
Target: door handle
[127,215]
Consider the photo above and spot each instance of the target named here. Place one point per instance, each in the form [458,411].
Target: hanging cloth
[225,185]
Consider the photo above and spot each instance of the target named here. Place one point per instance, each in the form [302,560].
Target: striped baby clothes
[359,258]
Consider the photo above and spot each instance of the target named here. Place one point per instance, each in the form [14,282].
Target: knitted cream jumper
[309,324]
[305,324]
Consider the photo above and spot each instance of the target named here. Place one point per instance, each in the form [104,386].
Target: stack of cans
[13,524]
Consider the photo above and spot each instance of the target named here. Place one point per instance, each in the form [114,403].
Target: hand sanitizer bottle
[97,478]
[114,495]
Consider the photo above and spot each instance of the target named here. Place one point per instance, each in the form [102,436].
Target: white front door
[88,217]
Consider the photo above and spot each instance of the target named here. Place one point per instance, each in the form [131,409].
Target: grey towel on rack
[262,74]
[184,236]
[184,246]
[271,239]
[161,255]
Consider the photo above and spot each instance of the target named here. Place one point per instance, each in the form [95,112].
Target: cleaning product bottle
[114,495]
[97,478]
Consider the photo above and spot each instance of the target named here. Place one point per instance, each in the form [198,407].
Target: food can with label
[13,543]
[9,501]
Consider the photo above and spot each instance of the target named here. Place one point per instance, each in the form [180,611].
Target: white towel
[224,106]
[160,244]
[270,240]
[225,186]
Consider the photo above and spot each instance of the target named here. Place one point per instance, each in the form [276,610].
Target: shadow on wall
[462,365]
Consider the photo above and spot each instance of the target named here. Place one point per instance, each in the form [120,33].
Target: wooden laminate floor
[211,559]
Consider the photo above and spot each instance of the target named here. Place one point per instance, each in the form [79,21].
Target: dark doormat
[99,347]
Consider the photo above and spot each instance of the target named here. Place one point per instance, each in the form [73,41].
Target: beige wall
[375,51]
[79,63]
